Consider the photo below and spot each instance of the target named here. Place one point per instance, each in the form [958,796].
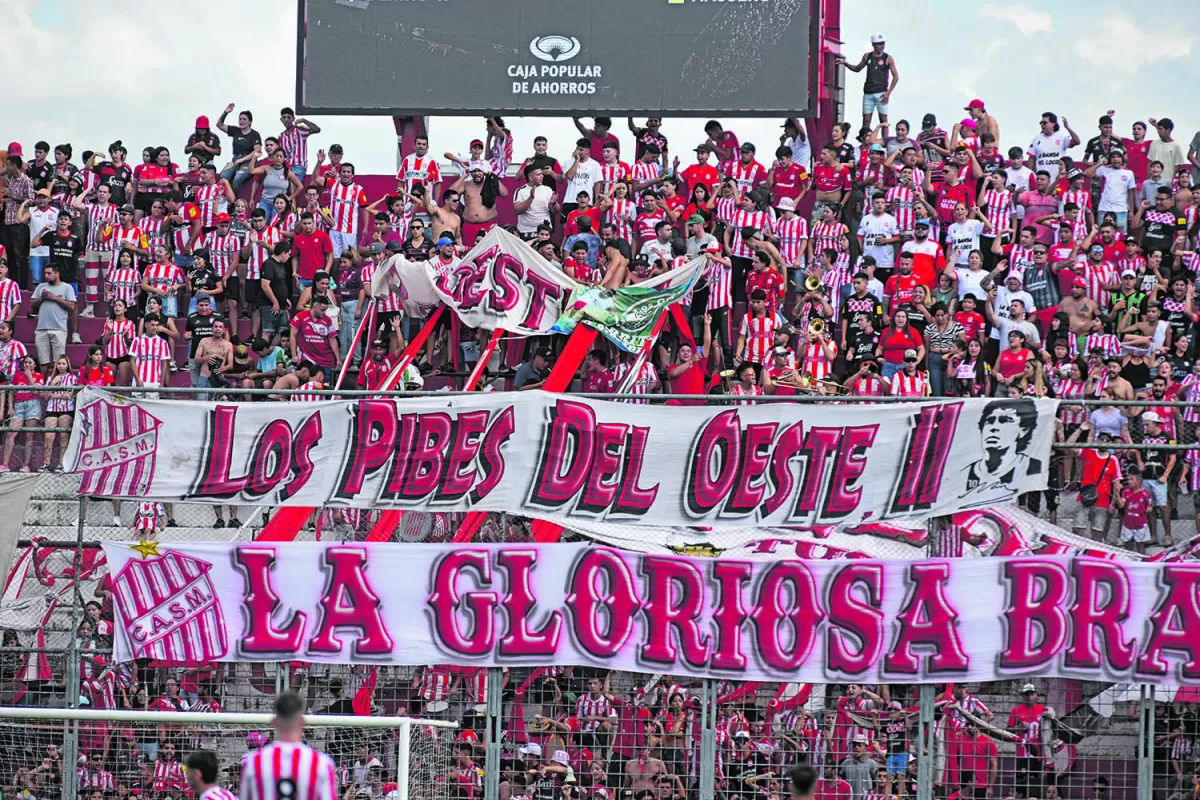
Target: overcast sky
[92,71]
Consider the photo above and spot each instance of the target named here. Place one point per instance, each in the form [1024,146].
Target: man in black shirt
[1160,223]
[243,140]
[66,248]
[40,169]
[274,301]
[199,327]
[552,171]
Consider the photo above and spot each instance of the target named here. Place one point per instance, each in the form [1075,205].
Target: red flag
[365,694]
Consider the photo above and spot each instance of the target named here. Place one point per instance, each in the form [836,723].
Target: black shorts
[233,290]
[122,360]
[253,293]
[383,321]
[144,200]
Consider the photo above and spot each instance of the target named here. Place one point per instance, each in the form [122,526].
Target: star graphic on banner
[147,549]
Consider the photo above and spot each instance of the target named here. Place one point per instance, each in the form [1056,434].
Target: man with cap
[199,327]
[1156,465]
[202,142]
[325,175]
[14,235]
[701,172]
[792,232]
[479,212]
[746,171]
[42,219]
[881,80]
[375,368]
[984,122]
[934,146]
[795,138]
[533,373]
[1025,721]
[647,172]
[858,769]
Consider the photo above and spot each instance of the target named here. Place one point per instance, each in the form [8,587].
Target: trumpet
[817,326]
[812,283]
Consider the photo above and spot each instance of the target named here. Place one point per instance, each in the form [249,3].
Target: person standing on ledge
[882,77]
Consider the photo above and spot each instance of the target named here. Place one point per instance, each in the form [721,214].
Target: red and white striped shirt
[610,174]
[11,353]
[793,236]
[592,706]
[1067,391]
[619,217]
[997,206]
[169,776]
[294,141]
[759,220]
[121,333]
[269,236]
[212,201]
[119,235]
[157,231]
[828,235]
[1191,385]
[148,353]
[1095,275]
[1081,198]
[221,250]
[284,222]
[642,384]
[183,234]
[101,779]
[217,793]
[344,202]
[720,286]
[724,208]
[124,284]
[10,297]
[62,402]
[816,360]
[1107,342]
[747,175]
[643,172]
[905,385]
[501,157]
[435,683]
[760,337]
[304,393]
[645,223]
[901,200]
[417,170]
[835,279]
[389,302]
[100,218]
[288,771]
[1019,260]
[163,276]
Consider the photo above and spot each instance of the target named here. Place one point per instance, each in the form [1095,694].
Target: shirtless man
[476,216]
[642,772]
[214,354]
[619,253]
[1121,388]
[1082,310]
[444,218]
[294,380]
[1151,334]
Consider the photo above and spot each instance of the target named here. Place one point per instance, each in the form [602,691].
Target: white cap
[1029,687]
[532,749]
[787,204]
[561,757]
[877,38]
[482,166]
[1151,416]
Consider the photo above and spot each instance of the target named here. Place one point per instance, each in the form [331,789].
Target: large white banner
[567,458]
[980,619]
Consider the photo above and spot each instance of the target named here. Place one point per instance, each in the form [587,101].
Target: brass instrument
[817,326]
[812,283]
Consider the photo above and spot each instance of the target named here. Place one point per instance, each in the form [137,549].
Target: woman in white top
[970,280]
[962,235]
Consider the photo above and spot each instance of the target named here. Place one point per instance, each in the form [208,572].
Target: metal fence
[637,735]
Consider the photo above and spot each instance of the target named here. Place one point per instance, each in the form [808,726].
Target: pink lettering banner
[867,620]
[570,459]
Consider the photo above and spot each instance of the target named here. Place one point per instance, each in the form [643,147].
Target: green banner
[626,315]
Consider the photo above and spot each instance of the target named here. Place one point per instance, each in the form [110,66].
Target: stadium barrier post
[708,740]
[402,760]
[925,752]
[71,685]
[495,703]
[1145,751]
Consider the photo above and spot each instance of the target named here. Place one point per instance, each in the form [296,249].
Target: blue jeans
[937,375]
[299,170]
[239,177]
[1122,221]
[349,327]
[304,283]
[889,370]
[184,262]
[873,103]
[35,267]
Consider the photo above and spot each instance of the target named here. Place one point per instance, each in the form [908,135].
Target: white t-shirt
[1004,300]
[538,211]
[1048,150]
[801,151]
[42,222]
[654,251]
[587,174]
[1020,179]
[1117,183]
[963,237]
[881,227]
[971,283]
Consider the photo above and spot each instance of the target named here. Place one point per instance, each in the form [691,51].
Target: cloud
[1026,20]
[1139,47]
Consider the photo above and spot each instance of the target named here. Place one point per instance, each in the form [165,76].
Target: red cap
[976,103]
[1079,281]
[476,143]
[14,149]
[223,217]
[201,121]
